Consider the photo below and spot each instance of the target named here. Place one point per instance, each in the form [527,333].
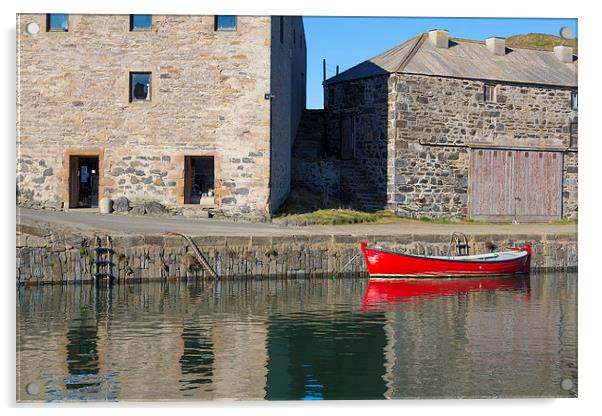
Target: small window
[281,29]
[489,94]
[140,22]
[225,22]
[140,86]
[294,36]
[57,22]
[574,100]
[574,135]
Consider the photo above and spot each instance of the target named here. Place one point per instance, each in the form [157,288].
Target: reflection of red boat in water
[399,290]
[383,264]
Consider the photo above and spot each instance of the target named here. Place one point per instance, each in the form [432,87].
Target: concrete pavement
[122,224]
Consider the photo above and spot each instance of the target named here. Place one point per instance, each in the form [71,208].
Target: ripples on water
[299,339]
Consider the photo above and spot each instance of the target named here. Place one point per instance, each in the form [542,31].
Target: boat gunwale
[524,253]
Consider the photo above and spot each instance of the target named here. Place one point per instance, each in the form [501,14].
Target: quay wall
[48,256]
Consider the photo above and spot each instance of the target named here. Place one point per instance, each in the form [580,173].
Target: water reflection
[299,339]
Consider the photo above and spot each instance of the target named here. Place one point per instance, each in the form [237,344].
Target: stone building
[459,129]
[194,112]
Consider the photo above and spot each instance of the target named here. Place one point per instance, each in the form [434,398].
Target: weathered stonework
[58,256]
[414,135]
[207,99]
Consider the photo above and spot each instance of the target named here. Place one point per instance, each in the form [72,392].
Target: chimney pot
[496,46]
[439,38]
[564,53]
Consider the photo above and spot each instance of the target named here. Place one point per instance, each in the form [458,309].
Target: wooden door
[538,184]
[73,181]
[491,185]
[508,185]
[347,139]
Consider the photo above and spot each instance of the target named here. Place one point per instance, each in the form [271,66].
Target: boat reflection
[381,292]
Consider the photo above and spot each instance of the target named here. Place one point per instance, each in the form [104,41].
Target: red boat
[393,290]
[383,264]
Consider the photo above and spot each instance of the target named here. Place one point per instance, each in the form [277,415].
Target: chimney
[496,46]
[564,53]
[439,38]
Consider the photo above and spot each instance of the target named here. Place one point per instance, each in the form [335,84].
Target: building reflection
[481,341]
[325,357]
[286,340]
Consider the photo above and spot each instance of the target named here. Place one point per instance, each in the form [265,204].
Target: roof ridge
[411,53]
[482,42]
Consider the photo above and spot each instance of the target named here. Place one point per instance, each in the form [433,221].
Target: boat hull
[386,265]
[399,290]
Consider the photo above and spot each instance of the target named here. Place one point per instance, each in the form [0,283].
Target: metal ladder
[460,242]
[103,260]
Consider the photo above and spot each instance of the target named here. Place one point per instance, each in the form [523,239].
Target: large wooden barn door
[538,184]
[509,184]
[492,194]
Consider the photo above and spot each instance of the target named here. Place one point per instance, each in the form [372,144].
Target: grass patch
[304,207]
[539,41]
[567,222]
[340,217]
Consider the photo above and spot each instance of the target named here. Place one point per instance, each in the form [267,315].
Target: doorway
[199,179]
[83,181]
[347,138]
[515,185]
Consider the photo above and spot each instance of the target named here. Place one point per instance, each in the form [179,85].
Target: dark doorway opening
[83,181]
[199,179]
[347,138]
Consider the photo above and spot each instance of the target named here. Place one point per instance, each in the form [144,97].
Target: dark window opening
[574,135]
[57,22]
[281,29]
[140,84]
[489,93]
[199,179]
[140,22]
[225,22]
[294,36]
[574,100]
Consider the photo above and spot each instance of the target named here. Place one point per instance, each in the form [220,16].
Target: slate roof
[468,59]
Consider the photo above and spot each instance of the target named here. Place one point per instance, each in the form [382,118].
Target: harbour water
[298,339]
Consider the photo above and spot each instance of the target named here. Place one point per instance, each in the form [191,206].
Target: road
[122,224]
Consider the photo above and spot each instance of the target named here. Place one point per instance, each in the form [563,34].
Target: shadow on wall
[357,135]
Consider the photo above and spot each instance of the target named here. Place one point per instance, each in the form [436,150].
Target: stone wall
[288,89]
[366,101]
[58,256]
[569,185]
[452,112]
[413,135]
[207,99]
[319,176]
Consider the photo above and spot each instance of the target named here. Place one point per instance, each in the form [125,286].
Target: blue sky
[347,41]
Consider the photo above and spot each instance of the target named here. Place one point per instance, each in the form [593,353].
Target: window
[574,135]
[574,100]
[57,22]
[140,84]
[225,22]
[489,94]
[294,36]
[198,179]
[281,29]
[140,22]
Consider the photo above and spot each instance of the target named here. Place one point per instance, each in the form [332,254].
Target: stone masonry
[207,99]
[414,133]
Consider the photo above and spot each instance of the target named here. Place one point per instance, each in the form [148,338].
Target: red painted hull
[386,264]
[382,291]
